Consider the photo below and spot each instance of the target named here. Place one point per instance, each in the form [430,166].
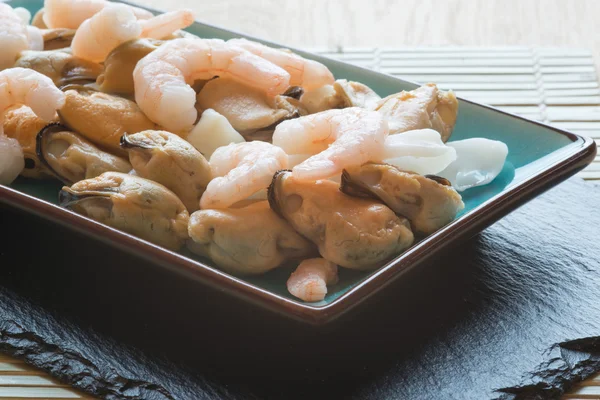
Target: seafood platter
[294,176]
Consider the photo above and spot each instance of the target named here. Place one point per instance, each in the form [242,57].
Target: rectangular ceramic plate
[539,157]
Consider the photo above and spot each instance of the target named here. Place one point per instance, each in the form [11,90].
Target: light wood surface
[394,23]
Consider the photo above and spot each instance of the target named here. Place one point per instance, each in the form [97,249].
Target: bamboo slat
[21,381]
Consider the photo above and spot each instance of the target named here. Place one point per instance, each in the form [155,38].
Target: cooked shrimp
[23,86]
[15,35]
[71,13]
[23,14]
[242,169]
[162,79]
[165,24]
[337,138]
[309,281]
[306,73]
[20,86]
[116,24]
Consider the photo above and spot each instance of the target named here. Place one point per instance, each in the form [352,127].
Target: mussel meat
[424,107]
[355,94]
[58,38]
[352,232]
[250,111]
[248,240]
[71,158]
[132,204]
[102,118]
[22,124]
[429,202]
[321,99]
[341,94]
[171,161]
[60,66]
[120,63]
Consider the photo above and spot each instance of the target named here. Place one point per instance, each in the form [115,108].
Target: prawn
[309,281]
[15,35]
[162,78]
[71,13]
[336,139]
[116,24]
[309,74]
[241,169]
[21,86]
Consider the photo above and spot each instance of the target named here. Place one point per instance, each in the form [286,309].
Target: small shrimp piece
[12,160]
[241,169]
[309,281]
[20,86]
[117,24]
[71,13]
[162,79]
[309,74]
[16,36]
[338,139]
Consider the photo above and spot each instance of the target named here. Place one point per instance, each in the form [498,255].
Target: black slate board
[485,320]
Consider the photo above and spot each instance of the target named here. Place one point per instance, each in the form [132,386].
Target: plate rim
[573,157]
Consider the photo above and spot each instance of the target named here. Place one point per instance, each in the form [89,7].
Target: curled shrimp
[338,139]
[21,86]
[15,35]
[162,78]
[71,13]
[309,74]
[116,24]
[242,169]
[309,281]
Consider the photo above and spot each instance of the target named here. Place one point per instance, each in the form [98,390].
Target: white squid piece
[478,162]
[421,151]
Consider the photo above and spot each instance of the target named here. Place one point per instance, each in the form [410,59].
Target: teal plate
[539,157]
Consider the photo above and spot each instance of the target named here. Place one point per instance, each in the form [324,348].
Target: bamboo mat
[20,381]
[558,86]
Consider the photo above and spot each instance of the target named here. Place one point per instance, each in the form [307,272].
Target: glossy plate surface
[539,158]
